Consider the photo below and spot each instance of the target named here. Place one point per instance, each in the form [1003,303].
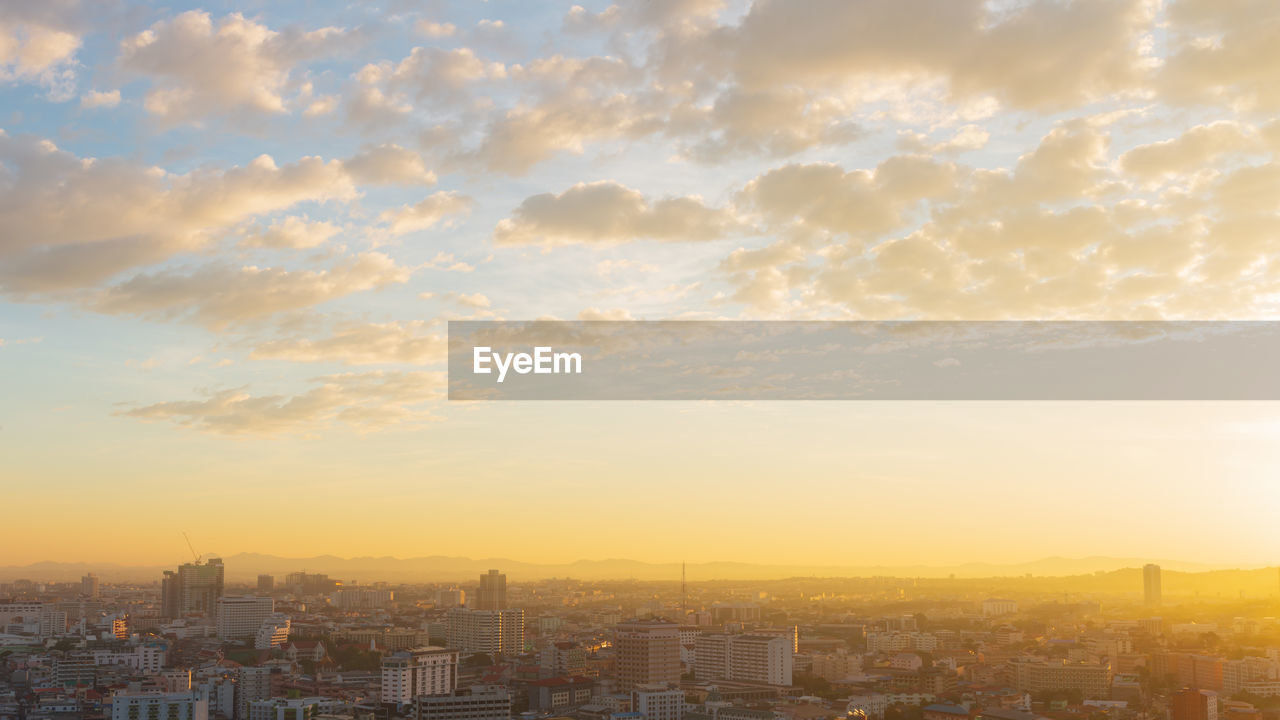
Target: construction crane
[191,547]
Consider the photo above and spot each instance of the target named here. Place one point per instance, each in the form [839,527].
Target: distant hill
[244,567]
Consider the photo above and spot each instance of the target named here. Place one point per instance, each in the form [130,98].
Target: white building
[145,658]
[240,617]
[272,633]
[190,705]
[995,607]
[417,672]
[658,702]
[494,632]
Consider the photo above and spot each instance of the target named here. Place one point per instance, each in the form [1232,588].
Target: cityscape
[194,645]
[639,359]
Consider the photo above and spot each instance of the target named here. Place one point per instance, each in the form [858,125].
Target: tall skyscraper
[493,632]
[648,651]
[266,583]
[89,585]
[1151,585]
[493,591]
[194,588]
[240,618]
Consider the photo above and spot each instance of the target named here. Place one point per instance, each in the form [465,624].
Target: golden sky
[232,234]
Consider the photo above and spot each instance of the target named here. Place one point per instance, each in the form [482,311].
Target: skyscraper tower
[493,591]
[1151,592]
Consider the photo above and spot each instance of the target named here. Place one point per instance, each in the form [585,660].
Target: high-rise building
[494,632]
[493,591]
[266,583]
[193,589]
[239,618]
[479,702]
[1151,585]
[255,683]
[648,652]
[417,672]
[748,658]
[89,585]
[1194,705]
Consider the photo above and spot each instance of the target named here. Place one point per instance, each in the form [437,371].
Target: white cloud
[426,213]
[202,68]
[606,212]
[100,99]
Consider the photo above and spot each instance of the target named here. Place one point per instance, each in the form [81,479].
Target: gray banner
[745,360]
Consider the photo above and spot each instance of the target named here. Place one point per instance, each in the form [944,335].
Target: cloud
[774,122]
[435,72]
[1058,234]
[525,135]
[606,212]
[1193,150]
[100,99]
[218,296]
[360,344]
[1042,55]
[823,197]
[39,47]
[366,401]
[200,68]
[389,164]
[435,30]
[426,213]
[1222,53]
[291,232]
[73,222]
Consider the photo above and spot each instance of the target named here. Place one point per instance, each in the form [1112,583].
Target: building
[493,632]
[362,598]
[1193,705]
[1093,680]
[1151,585]
[748,658]
[421,671]
[294,708]
[188,705]
[255,683]
[492,594]
[145,658]
[89,585]
[648,652]
[192,589]
[480,702]
[558,693]
[995,607]
[658,701]
[450,598]
[240,617]
[273,633]
[266,583]
[835,667]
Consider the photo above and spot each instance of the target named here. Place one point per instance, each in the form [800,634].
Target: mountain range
[245,567]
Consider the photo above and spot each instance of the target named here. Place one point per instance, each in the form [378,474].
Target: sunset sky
[231,235]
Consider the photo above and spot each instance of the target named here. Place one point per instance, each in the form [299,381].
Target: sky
[232,234]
